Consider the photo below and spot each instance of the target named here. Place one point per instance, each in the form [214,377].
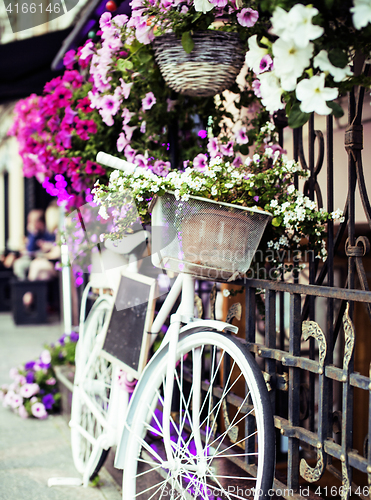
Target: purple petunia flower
[256,198]
[148,101]
[202,134]
[241,136]
[29,365]
[30,378]
[227,149]
[247,17]
[74,336]
[48,401]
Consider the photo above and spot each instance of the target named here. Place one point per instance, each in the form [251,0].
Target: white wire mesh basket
[208,239]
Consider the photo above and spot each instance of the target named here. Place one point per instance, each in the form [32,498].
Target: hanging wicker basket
[211,67]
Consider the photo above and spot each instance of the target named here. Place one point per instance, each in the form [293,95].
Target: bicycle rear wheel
[235,423]
[91,393]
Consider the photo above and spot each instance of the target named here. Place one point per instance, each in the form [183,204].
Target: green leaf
[296,117]
[337,110]
[338,58]
[124,64]
[276,221]
[187,42]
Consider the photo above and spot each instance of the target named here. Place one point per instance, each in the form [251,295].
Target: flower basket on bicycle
[208,239]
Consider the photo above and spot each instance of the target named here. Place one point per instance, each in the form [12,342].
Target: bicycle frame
[119,400]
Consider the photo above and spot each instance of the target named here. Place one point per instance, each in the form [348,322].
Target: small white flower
[313,95]
[290,61]
[271,91]
[361,13]
[226,293]
[273,203]
[203,6]
[322,62]
[296,24]
[291,189]
[214,191]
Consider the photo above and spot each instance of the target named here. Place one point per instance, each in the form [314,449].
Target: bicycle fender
[196,326]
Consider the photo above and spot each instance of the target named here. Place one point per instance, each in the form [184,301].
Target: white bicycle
[195,421]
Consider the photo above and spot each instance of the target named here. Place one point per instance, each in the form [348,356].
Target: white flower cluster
[292,55]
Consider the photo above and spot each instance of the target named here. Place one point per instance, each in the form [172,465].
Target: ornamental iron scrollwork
[312,329]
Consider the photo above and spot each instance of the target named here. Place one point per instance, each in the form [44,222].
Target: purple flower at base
[148,101]
[48,401]
[38,410]
[61,340]
[74,336]
[29,365]
[202,134]
[247,17]
[256,198]
[30,378]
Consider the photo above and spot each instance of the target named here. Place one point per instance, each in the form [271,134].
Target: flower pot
[210,240]
[211,67]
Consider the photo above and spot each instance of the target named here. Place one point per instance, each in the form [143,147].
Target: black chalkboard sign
[127,339]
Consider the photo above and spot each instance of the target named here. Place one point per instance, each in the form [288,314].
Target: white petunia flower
[361,13]
[313,95]
[291,189]
[226,293]
[322,62]
[296,25]
[271,91]
[255,54]
[203,6]
[290,61]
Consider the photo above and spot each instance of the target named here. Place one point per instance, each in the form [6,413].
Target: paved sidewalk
[31,450]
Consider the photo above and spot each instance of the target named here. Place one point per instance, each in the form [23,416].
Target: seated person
[39,241]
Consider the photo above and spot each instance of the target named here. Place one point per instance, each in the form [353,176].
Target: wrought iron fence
[310,370]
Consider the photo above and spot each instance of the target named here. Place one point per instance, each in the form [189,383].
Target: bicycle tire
[146,472]
[96,386]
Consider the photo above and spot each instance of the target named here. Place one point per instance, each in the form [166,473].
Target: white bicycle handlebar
[113,162]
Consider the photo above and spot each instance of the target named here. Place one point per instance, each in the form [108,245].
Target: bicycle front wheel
[234,420]
[91,393]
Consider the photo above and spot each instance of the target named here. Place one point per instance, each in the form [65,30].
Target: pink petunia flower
[69,59]
[241,136]
[247,17]
[129,153]
[126,87]
[84,128]
[213,147]
[148,101]
[219,3]
[266,64]
[122,142]
[200,162]
[141,161]
[87,50]
[126,116]
[29,390]
[143,33]
[22,412]
[227,149]
[128,131]
[256,88]
[161,168]
[38,410]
